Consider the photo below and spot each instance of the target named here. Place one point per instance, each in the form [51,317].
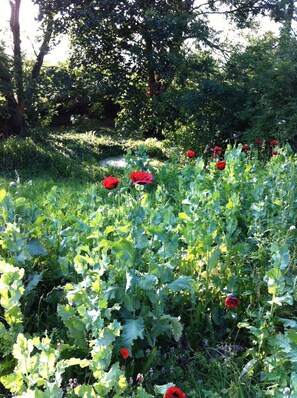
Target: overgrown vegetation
[194,275]
[67,153]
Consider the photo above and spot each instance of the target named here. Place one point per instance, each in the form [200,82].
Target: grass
[67,153]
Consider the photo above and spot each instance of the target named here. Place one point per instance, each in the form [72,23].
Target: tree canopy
[154,59]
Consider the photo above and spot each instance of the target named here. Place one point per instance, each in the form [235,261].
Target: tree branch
[44,48]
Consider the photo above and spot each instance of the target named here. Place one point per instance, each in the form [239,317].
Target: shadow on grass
[58,155]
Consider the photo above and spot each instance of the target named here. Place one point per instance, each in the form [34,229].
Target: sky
[28,30]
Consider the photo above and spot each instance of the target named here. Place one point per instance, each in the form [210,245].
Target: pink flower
[245,148]
[258,142]
[217,150]
[274,153]
[141,177]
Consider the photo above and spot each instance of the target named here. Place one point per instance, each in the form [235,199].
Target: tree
[137,46]
[265,75]
[12,74]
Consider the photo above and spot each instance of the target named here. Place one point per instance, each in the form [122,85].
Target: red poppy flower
[125,353]
[258,142]
[231,301]
[174,392]
[217,150]
[190,154]
[110,182]
[221,165]
[274,152]
[141,177]
[273,143]
[245,148]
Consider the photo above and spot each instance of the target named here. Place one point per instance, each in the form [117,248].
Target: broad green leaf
[147,281]
[181,283]
[293,335]
[35,248]
[13,382]
[124,251]
[108,380]
[282,341]
[213,259]
[132,329]
[176,326]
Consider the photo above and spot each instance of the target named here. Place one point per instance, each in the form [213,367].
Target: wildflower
[231,301]
[274,152]
[125,353]
[110,182]
[139,378]
[174,392]
[141,177]
[190,154]
[258,142]
[217,150]
[273,143]
[245,148]
[221,165]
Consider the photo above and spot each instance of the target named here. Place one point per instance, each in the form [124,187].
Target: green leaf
[147,282]
[132,330]
[181,283]
[85,391]
[184,216]
[294,383]
[13,382]
[177,328]
[213,259]
[293,335]
[35,279]
[124,251]
[35,248]
[163,388]
[2,195]
[248,367]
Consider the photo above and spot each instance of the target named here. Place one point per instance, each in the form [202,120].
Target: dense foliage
[155,282]
[154,62]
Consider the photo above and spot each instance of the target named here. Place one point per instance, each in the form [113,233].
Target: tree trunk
[16,105]
[44,48]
